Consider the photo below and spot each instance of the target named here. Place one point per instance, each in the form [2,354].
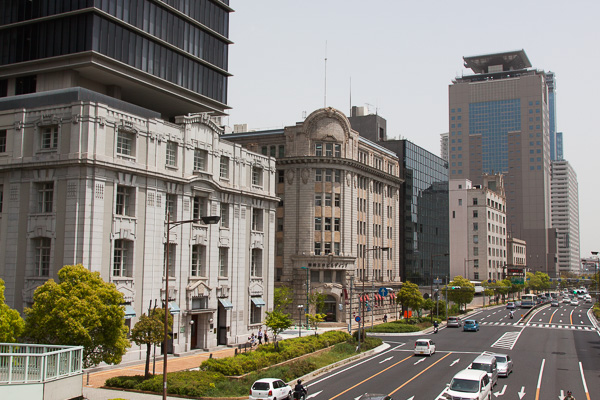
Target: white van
[488,364]
[469,384]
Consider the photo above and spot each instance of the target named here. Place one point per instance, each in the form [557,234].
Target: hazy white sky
[402,55]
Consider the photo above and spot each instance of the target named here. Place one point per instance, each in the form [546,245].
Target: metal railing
[33,363]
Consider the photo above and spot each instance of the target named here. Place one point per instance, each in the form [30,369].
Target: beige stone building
[338,207]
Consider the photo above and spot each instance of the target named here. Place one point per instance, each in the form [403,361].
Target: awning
[174,308]
[258,302]
[129,312]
[226,304]
[364,298]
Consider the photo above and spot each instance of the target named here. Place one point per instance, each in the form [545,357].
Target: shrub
[395,328]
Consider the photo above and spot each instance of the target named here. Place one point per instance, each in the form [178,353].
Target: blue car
[470,325]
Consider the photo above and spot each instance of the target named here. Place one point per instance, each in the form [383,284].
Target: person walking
[266,337]
[260,336]
[384,318]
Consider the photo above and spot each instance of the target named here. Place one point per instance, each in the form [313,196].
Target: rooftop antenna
[350,96]
[325,98]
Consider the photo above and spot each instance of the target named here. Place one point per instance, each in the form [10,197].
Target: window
[257,176]
[1,196]
[328,175]
[338,176]
[318,200]
[45,197]
[199,207]
[200,158]
[475,226]
[3,141]
[327,199]
[460,202]
[475,214]
[318,175]
[475,251]
[475,239]
[257,219]
[255,313]
[126,143]
[328,276]
[224,165]
[172,248]
[256,268]
[328,149]
[198,260]
[122,258]
[327,223]
[327,248]
[264,150]
[171,207]
[43,246]
[224,215]
[476,277]
[279,248]
[280,176]
[171,154]
[281,150]
[336,224]
[315,276]
[337,200]
[279,224]
[336,248]
[318,149]
[273,151]
[318,224]
[474,201]
[125,201]
[317,248]
[223,261]
[337,150]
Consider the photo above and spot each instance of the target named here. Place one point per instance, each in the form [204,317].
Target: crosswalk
[541,325]
[507,341]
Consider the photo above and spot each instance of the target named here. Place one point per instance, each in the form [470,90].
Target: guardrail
[34,363]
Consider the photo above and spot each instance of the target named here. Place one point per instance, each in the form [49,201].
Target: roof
[510,60]
[484,358]
[470,374]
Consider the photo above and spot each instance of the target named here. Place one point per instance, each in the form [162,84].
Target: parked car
[470,325]
[510,305]
[454,322]
[271,389]
[424,346]
[554,303]
[488,364]
[504,364]
[469,384]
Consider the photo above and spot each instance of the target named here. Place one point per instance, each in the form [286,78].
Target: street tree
[150,330]
[277,322]
[317,300]
[538,281]
[11,323]
[282,297]
[463,291]
[409,296]
[315,319]
[80,310]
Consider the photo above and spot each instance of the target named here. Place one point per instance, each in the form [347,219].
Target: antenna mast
[350,97]
[325,97]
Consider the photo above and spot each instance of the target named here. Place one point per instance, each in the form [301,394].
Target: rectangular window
[318,200]
[318,149]
[256,269]
[1,197]
[475,251]
[224,167]
[171,259]
[318,175]
[475,214]
[273,151]
[45,197]
[171,154]
[3,141]
[338,150]
[327,223]
[125,201]
[224,215]
[336,224]
[327,248]
[199,207]
[460,202]
[281,150]
[49,137]
[475,239]
[315,276]
[337,201]
[327,276]
[279,224]
[328,175]
[257,176]
[318,224]
[280,176]
[198,260]
[43,246]
[126,143]
[336,248]
[327,199]
[279,248]
[257,219]
[475,226]
[317,249]
[328,149]
[474,201]
[255,313]
[171,207]
[264,150]
[200,159]
[223,261]
[123,258]
[338,176]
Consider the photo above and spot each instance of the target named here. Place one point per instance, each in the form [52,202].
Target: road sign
[357,319]
[383,292]
[437,281]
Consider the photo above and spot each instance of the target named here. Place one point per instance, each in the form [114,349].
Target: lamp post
[170,225]
[307,290]
[431,273]
[373,283]
[597,266]
[363,288]
[300,307]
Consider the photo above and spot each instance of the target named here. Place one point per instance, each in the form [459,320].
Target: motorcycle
[511,315]
[300,394]
[435,329]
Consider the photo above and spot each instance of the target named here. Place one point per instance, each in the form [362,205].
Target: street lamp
[307,290]
[363,288]
[300,307]
[171,225]
[597,266]
[431,272]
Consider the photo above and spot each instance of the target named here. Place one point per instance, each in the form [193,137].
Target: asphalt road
[554,350]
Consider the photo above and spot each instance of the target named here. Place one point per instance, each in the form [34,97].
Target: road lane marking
[373,376]
[414,377]
[587,394]
[571,316]
[420,361]
[387,359]
[310,396]
[454,362]
[552,316]
[522,392]
[537,391]
[501,393]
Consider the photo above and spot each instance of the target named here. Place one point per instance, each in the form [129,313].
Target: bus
[478,287]
[528,300]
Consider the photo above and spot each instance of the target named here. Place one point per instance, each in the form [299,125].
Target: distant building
[565,215]
[444,154]
[499,122]
[478,225]
[340,203]
[516,251]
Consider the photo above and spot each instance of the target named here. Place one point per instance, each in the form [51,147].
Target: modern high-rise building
[444,141]
[565,215]
[499,120]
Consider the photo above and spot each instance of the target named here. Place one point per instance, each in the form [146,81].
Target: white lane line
[539,385]
[583,380]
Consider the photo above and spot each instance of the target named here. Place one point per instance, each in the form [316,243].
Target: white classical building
[565,215]
[89,179]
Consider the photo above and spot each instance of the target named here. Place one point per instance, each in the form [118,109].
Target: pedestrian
[384,318]
[252,340]
[266,337]
[260,336]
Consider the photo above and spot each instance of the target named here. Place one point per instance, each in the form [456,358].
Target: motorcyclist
[435,326]
[569,396]
[512,314]
[299,390]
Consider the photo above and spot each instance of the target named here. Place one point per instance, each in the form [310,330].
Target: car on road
[455,322]
[574,302]
[470,325]
[554,303]
[504,364]
[517,304]
[588,299]
[510,305]
[469,384]
[566,300]
[487,363]
[374,396]
[271,389]
[424,346]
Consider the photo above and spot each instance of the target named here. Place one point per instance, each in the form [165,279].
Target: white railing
[30,363]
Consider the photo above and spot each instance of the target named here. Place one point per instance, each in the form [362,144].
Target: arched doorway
[330,309]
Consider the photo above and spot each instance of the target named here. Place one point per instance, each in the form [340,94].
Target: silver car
[504,364]
[454,322]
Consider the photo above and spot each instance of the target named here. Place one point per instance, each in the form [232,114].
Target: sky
[398,58]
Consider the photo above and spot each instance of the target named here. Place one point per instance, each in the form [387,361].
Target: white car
[574,302]
[469,384]
[424,346]
[271,389]
[504,364]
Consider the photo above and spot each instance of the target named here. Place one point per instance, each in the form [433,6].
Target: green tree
[11,323]
[80,310]
[463,293]
[150,330]
[538,281]
[315,319]
[282,297]
[409,296]
[317,300]
[278,322]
